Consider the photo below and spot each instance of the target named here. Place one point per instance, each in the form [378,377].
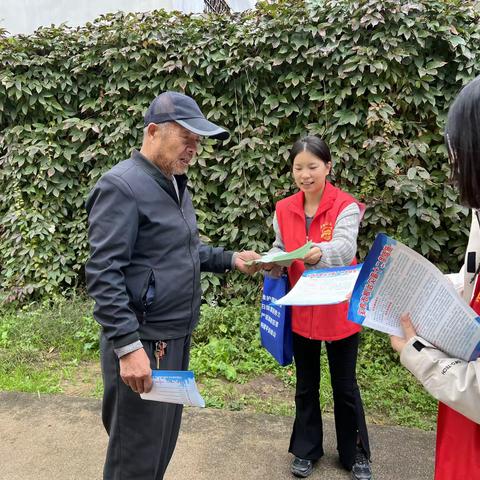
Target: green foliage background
[375,78]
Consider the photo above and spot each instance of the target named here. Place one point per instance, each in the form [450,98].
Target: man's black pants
[307,436]
[142,433]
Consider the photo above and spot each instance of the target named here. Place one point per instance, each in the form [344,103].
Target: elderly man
[144,275]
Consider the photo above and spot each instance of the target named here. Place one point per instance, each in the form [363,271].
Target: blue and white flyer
[396,279]
[174,386]
[326,286]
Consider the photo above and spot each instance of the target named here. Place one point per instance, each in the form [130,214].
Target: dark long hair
[462,137]
[313,144]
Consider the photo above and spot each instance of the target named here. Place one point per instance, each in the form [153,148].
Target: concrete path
[61,438]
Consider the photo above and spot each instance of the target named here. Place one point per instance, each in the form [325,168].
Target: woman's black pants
[307,435]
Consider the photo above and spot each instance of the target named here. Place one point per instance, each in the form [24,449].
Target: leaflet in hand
[284,259]
[174,386]
[326,286]
[395,279]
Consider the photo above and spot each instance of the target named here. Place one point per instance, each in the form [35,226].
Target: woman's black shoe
[301,467]
[361,469]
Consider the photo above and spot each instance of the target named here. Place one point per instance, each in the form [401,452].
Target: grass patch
[42,344]
[52,347]
[390,393]
[25,379]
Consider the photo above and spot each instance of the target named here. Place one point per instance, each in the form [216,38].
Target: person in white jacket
[450,380]
[454,382]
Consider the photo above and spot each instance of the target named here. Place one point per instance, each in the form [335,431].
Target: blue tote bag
[275,320]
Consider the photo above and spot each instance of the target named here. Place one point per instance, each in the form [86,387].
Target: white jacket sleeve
[450,380]
[278,246]
[341,249]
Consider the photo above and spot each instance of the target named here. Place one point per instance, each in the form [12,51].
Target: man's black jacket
[142,238]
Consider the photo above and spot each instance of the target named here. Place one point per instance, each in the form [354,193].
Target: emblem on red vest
[326,232]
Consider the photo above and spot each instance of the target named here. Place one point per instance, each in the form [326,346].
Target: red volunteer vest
[325,322]
[457,454]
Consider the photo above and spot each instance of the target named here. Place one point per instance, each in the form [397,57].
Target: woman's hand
[313,256]
[398,343]
[273,270]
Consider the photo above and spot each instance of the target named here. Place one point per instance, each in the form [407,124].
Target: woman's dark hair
[462,137]
[313,144]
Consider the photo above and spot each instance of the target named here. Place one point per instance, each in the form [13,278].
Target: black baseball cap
[182,109]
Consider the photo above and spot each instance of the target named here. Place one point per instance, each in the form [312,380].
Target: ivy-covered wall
[373,77]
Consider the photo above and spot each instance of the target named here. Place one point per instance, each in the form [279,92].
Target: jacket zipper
[193,264]
[143,297]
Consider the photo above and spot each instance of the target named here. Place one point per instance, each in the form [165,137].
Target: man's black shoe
[301,467]
[361,468]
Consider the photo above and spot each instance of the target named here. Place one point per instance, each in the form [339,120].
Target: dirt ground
[86,381]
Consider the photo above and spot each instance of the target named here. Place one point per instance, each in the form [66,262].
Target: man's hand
[247,256]
[313,256]
[135,371]
[398,342]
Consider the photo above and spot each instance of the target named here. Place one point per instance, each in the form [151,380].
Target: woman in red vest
[330,218]
[455,383]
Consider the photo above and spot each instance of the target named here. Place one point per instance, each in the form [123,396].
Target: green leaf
[412,172]
[346,117]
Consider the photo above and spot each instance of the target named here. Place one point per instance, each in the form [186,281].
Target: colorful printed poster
[326,286]
[396,279]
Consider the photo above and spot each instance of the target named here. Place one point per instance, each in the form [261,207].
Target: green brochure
[284,258]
